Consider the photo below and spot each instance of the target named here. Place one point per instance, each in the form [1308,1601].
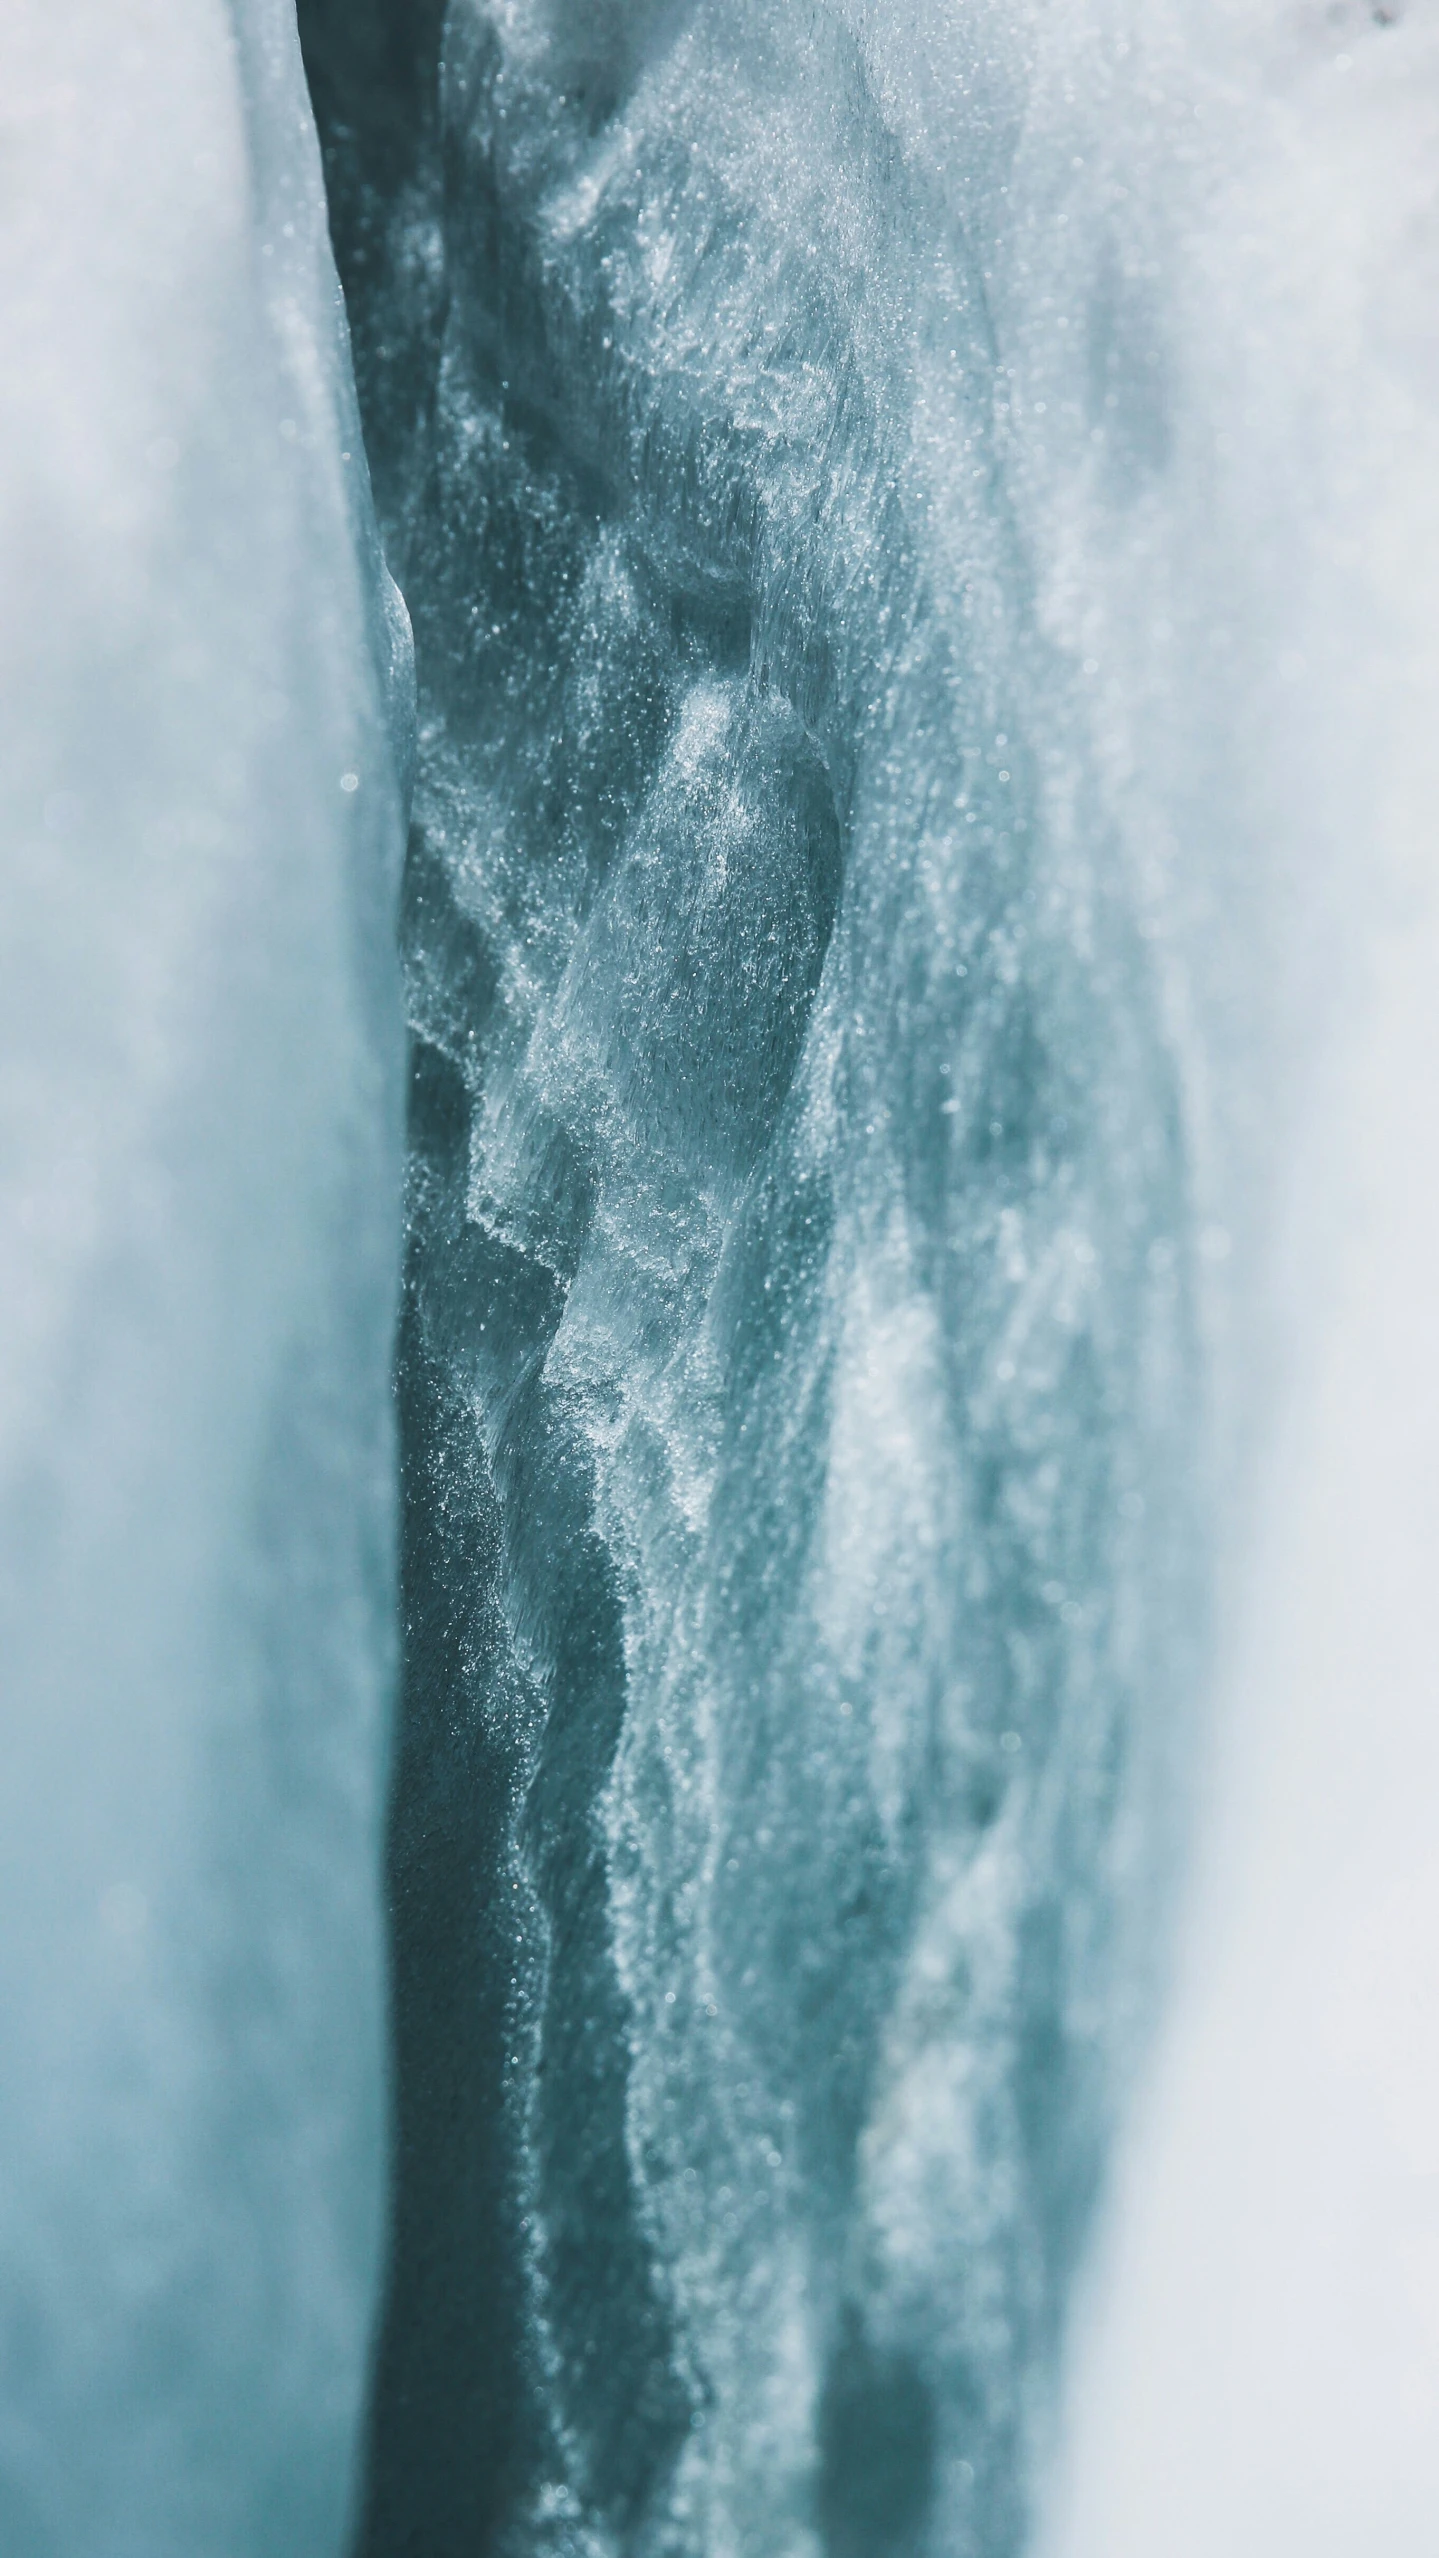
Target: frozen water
[915,1358]
[919,521]
[199,1185]
[800,1351]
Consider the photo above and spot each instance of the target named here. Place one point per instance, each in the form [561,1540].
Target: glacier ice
[799,1353]
[914,1374]
[200,1098]
[916,521]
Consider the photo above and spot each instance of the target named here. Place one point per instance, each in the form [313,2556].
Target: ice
[909,1886]
[800,1362]
[199,1161]
[919,521]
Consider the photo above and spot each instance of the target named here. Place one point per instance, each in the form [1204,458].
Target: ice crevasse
[910,1920]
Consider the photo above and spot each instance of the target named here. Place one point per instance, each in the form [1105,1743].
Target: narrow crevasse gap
[798,1355]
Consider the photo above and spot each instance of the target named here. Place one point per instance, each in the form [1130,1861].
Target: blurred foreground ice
[920,522]
[199,1186]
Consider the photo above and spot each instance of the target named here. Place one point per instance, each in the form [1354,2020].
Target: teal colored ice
[718,1390]
[798,1357]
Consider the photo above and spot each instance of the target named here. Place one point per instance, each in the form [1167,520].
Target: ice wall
[921,523]
[1258,2363]
[800,1363]
[199,1159]
[1213,264]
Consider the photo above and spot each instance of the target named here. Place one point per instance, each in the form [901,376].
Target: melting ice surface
[921,524]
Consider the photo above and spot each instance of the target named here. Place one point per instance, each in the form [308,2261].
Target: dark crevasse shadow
[508,2031]
[373,70]
[457,2423]
[453,2422]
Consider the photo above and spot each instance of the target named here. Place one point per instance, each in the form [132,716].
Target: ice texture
[915,1352]
[202,715]
[799,1355]
[921,523]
